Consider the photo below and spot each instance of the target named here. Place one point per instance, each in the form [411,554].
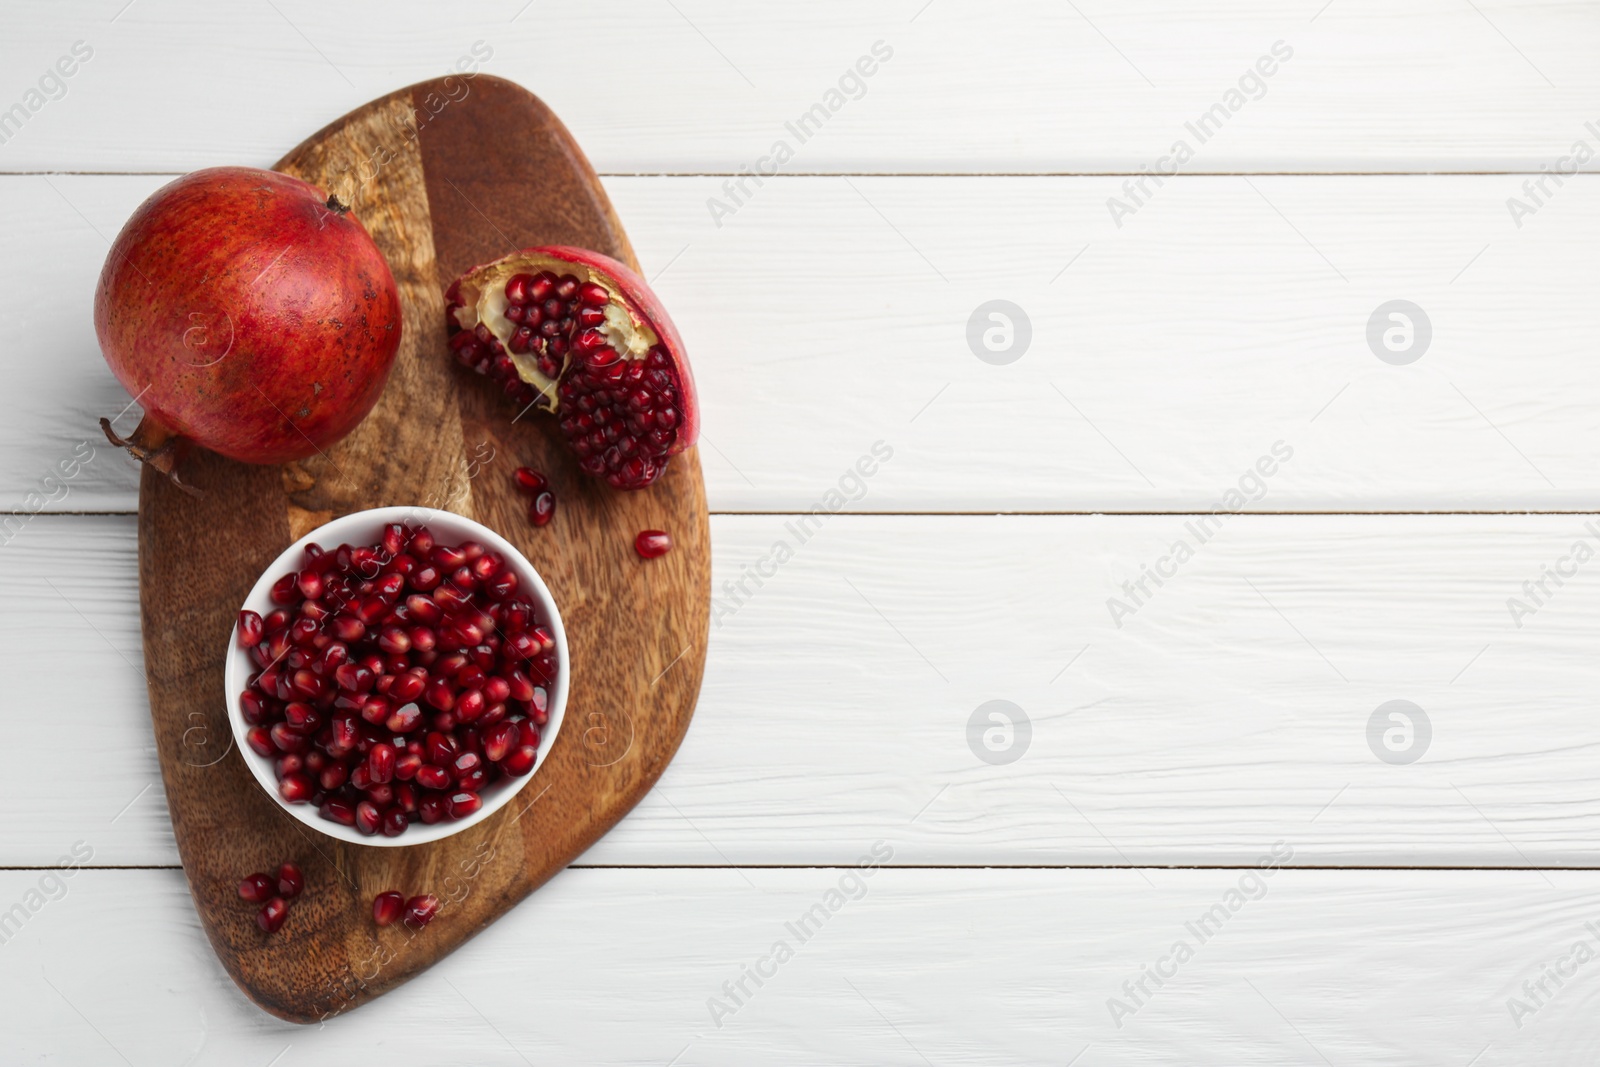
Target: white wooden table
[1034,877]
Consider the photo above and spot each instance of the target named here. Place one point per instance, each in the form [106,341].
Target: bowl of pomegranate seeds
[397,675]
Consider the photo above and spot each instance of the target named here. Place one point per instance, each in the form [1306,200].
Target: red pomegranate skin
[247,315]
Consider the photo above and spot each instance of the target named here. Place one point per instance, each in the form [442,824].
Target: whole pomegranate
[578,334]
[249,313]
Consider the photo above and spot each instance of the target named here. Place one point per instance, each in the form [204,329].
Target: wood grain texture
[1175,350]
[1005,86]
[637,633]
[969,968]
[1203,726]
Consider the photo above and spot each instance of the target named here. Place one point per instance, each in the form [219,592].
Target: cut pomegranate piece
[580,335]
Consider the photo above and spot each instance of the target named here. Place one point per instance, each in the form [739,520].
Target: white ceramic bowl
[366,528]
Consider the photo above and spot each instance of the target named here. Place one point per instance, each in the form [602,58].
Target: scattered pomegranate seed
[543,508]
[652,543]
[530,480]
[378,673]
[387,908]
[257,888]
[272,914]
[290,881]
[420,910]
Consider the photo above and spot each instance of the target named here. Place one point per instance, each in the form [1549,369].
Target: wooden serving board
[445,175]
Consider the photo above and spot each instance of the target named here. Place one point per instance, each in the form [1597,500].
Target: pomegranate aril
[353,678]
[543,508]
[432,777]
[395,822]
[272,915]
[286,590]
[464,803]
[439,695]
[339,811]
[421,909]
[251,629]
[387,908]
[286,739]
[521,686]
[261,742]
[394,539]
[530,480]
[302,717]
[394,640]
[290,881]
[257,888]
[448,557]
[347,628]
[652,543]
[380,764]
[433,808]
[520,761]
[253,707]
[296,788]
[368,818]
[406,766]
[424,610]
[409,686]
[502,585]
[469,705]
[303,629]
[404,719]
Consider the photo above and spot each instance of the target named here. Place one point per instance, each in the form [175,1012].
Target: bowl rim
[444,525]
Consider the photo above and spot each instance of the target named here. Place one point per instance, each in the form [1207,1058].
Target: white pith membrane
[483,300]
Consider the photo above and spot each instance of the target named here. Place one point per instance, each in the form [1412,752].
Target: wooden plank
[1021,86]
[908,967]
[1205,724]
[1166,357]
